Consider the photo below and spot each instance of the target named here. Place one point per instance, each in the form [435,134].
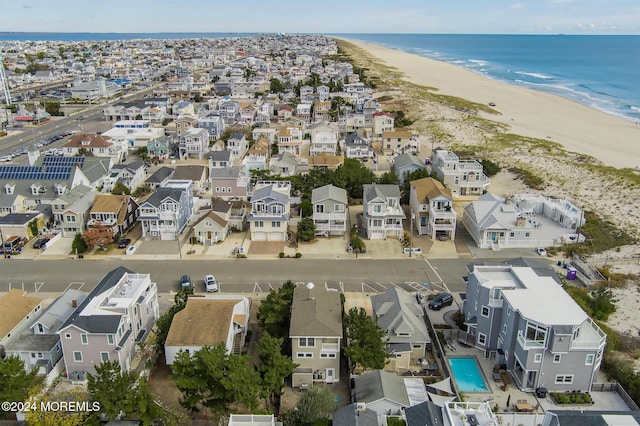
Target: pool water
[466,372]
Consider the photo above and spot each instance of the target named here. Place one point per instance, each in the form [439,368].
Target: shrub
[281,255]
[298,255]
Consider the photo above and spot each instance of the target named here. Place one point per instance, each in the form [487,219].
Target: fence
[615,387]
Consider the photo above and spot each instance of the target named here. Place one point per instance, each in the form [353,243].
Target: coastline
[612,140]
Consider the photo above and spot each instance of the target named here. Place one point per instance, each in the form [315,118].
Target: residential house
[432,208]
[198,175]
[159,148]
[382,122]
[354,415]
[181,108]
[326,161]
[253,420]
[71,210]
[160,177]
[118,212]
[165,214]
[230,183]
[355,146]
[257,156]
[214,123]
[220,159]
[132,134]
[356,122]
[270,211]
[401,316]
[323,93]
[237,145]
[230,111]
[289,139]
[531,325]
[316,335]
[264,132]
[209,321]
[193,143]
[521,221]
[285,112]
[321,111]
[40,347]
[404,164]
[330,210]
[94,90]
[382,213]
[17,311]
[388,394]
[21,225]
[110,323]
[10,201]
[95,145]
[130,175]
[303,112]
[284,164]
[211,228]
[247,112]
[324,139]
[462,177]
[397,142]
[184,123]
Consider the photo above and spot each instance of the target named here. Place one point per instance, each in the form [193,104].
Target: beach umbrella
[508,401]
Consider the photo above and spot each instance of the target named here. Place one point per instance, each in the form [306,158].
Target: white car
[542,252]
[210,284]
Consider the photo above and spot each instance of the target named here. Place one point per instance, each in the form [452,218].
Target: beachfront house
[382,214]
[356,146]
[523,220]
[395,142]
[432,208]
[462,177]
[522,317]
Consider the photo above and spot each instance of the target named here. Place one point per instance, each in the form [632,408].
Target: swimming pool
[466,372]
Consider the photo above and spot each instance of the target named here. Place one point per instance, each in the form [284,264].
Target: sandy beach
[612,140]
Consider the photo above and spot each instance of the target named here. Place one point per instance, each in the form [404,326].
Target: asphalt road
[244,276]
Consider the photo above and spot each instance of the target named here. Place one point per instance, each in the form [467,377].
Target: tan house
[211,229]
[382,122]
[209,321]
[326,161]
[432,208]
[118,212]
[321,111]
[17,311]
[289,139]
[399,142]
[316,335]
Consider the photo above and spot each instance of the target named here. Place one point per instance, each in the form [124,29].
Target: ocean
[602,72]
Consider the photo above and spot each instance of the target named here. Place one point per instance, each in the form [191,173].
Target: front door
[531,379]
[330,375]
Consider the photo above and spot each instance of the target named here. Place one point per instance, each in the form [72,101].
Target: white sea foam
[478,61]
[535,75]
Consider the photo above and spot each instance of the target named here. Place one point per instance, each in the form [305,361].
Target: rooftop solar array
[50,160]
[35,172]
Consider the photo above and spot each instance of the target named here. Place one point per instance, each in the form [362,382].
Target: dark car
[185,282]
[124,242]
[40,242]
[440,301]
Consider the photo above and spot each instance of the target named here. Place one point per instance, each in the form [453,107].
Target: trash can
[572,274]
[541,392]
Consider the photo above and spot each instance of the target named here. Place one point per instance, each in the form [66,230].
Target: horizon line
[311,33]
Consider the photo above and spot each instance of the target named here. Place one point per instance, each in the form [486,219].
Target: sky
[324,16]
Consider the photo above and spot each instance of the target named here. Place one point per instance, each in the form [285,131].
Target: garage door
[259,236]
[276,236]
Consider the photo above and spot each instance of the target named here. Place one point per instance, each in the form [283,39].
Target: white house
[382,212]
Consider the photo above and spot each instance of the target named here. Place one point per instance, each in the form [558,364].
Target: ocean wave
[478,61]
[633,108]
[534,74]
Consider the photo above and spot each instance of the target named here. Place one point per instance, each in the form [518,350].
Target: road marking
[75,283]
[372,289]
[437,284]
[38,285]
[257,286]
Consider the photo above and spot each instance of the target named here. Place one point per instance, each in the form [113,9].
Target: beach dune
[614,141]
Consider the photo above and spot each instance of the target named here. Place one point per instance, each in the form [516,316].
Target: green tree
[15,382]
[312,407]
[274,313]
[366,342]
[38,395]
[306,208]
[357,245]
[274,367]
[146,408]
[143,189]
[163,323]
[78,245]
[306,229]
[389,178]
[405,187]
[120,188]
[114,389]
[602,303]
[351,175]
[276,86]
[241,381]
[489,167]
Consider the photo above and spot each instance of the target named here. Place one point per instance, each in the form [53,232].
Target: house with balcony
[325,161]
[130,175]
[184,123]
[303,112]
[237,145]
[165,214]
[284,164]
[289,139]
[193,143]
[321,111]
[117,212]
[214,123]
[257,157]
[330,210]
[382,213]
[285,112]
[382,122]
[523,220]
[230,111]
[324,139]
[462,177]
[230,183]
[432,208]
[209,321]
[402,318]
[316,335]
[523,318]
[109,325]
[197,174]
[356,122]
[395,142]
[160,148]
[356,146]
[71,210]
[270,211]
[133,133]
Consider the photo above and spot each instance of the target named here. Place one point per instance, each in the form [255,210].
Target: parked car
[440,301]
[541,251]
[124,242]
[40,243]
[185,282]
[210,283]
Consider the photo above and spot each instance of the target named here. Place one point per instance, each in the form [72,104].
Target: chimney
[74,303]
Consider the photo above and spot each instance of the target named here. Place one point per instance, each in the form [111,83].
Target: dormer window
[34,189]
[85,142]
[9,188]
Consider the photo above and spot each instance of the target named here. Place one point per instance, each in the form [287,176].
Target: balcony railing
[529,344]
[330,216]
[495,303]
[330,347]
[444,215]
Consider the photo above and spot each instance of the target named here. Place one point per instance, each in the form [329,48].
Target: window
[58,348]
[40,328]
[338,208]
[77,356]
[228,189]
[328,355]
[377,208]
[259,223]
[84,339]
[508,310]
[537,358]
[111,339]
[564,378]
[482,339]
[304,355]
[104,356]
[275,224]
[527,234]
[307,342]
[557,358]
[485,311]
[417,346]
[590,359]
[377,222]
[536,333]
[67,336]
[512,234]
[319,208]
